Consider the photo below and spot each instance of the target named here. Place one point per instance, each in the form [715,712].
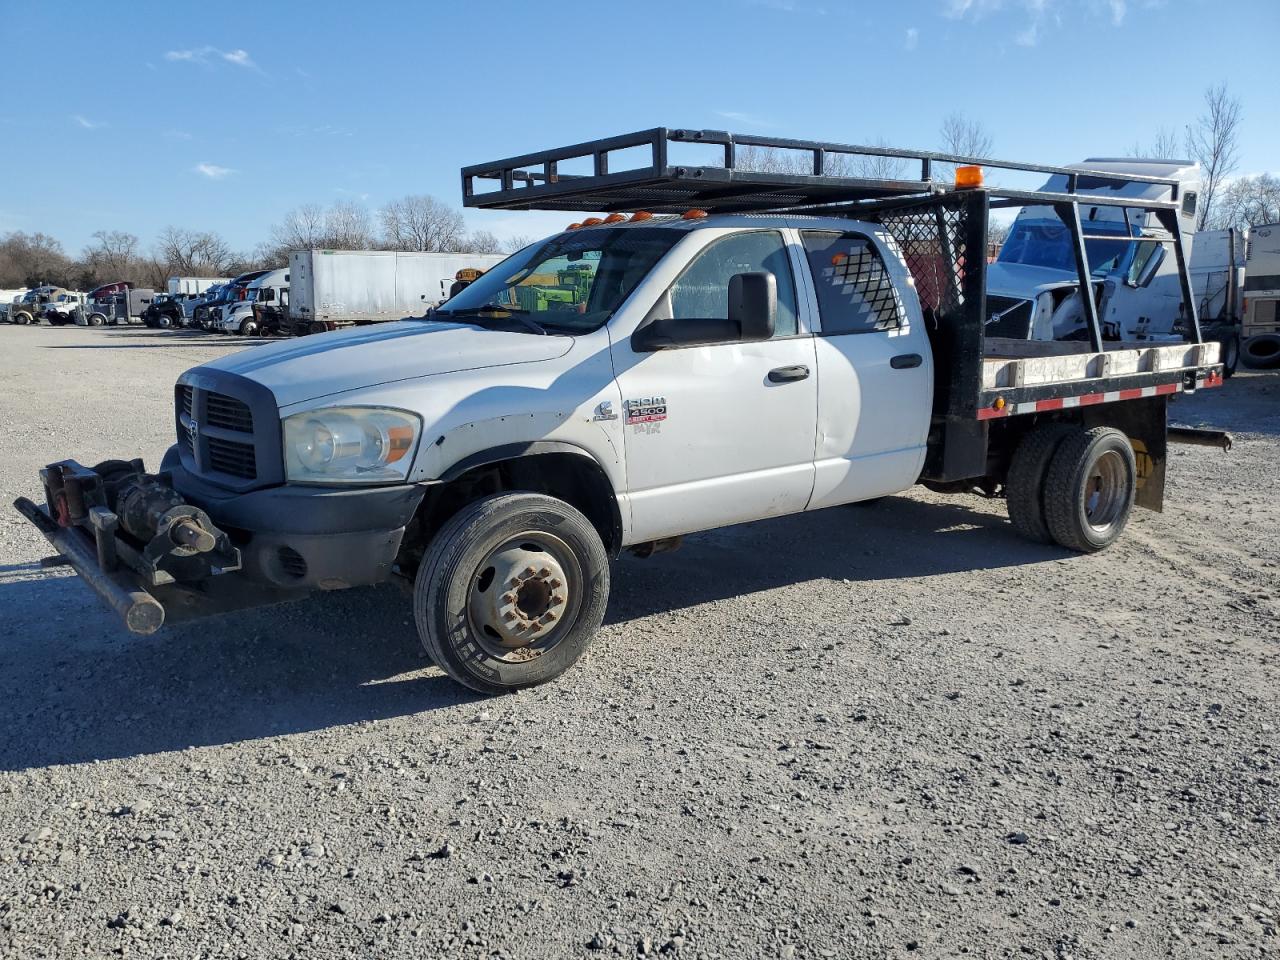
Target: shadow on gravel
[894,538]
[76,687]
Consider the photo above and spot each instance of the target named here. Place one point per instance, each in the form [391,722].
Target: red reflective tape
[991,413]
[1134,394]
[1091,398]
[1168,388]
[1049,404]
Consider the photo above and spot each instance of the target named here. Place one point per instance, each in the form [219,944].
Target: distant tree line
[417,222]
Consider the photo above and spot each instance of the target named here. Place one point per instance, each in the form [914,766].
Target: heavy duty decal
[645,410]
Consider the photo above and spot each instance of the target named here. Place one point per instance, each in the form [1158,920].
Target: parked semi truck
[176,307]
[228,293]
[718,346]
[31,306]
[260,310]
[330,289]
[1261,297]
[115,303]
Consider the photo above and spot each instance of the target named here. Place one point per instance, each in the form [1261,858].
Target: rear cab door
[874,362]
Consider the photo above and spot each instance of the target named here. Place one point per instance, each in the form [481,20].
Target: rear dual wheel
[510,592]
[1072,486]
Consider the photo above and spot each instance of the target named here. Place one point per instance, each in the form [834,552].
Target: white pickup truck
[634,378]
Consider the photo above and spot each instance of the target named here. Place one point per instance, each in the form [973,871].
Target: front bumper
[306,537]
[291,540]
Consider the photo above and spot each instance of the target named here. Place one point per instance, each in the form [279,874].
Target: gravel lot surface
[887,731]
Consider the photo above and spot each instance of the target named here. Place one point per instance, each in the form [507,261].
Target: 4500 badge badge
[645,410]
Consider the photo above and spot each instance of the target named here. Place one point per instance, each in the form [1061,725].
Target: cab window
[702,292]
[855,292]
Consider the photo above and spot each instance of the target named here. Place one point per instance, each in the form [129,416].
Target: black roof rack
[535,181]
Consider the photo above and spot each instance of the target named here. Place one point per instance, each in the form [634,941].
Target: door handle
[905,361]
[788,374]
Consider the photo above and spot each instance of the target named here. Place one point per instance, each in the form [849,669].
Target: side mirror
[753,312]
[753,304]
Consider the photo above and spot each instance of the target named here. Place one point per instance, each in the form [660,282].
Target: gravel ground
[888,731]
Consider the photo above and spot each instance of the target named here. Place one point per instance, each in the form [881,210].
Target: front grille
[227,413]
[236,459]
[219,433]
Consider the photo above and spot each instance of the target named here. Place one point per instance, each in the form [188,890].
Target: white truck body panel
[370,286]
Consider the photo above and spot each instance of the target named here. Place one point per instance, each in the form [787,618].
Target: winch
[139,520]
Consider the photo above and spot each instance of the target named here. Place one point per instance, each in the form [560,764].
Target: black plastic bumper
[307,537]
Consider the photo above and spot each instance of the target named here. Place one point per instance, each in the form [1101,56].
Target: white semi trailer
[342,288]
[1261,301]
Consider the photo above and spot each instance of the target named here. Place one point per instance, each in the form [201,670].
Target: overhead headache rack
[741,173]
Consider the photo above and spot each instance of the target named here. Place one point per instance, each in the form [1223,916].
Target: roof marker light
[615,218]
[967,178]
[640,216]
[693,215]
[592,222]
[574,226]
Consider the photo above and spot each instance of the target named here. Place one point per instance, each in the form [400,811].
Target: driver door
[721,433]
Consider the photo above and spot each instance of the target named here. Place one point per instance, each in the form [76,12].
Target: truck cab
[260,309]
[1135,281]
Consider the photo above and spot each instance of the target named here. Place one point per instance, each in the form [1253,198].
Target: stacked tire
[1072,486]
[1261,352]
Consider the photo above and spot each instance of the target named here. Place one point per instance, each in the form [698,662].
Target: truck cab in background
[259,310]
[1136,283]
[1260,329]
[63,307]
[208,315]
[115,303]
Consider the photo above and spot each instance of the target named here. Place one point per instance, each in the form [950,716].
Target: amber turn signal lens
[641,215]
[693,215]
[614,218]
[592,222]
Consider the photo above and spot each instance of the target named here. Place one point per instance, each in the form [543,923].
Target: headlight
[350,445]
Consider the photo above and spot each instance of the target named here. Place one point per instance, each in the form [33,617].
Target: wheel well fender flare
[508,452]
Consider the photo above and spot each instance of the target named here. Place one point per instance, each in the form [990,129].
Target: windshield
[571,283]
[1047,243]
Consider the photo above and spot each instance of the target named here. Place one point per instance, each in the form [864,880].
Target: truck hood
[322,364]
[1024,280]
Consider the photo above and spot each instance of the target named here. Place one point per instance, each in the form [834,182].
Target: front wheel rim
[1106,491]
[524,596]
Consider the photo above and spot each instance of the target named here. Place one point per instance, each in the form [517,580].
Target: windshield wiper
[498,313]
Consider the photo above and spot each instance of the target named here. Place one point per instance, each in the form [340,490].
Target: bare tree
[113,255]
[518,242]
[33,258]
[482,241]
[192,252]
[348,227]
[1247,202]
[301,229]
[1213,141]
[421,222]
[881,168]
[968,138]
[1166,146]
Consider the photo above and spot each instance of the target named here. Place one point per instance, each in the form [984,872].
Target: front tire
[1089,489]
[248,328]
[97,320]
[511,591]
[22,318]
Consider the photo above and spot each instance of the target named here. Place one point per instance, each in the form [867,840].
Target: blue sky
[139,115]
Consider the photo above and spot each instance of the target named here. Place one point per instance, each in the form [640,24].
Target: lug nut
[509,615]
[556,601]
[554,583]
[548,617]
[544,572]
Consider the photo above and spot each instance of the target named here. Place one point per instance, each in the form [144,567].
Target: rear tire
[1229,356]
[1261,352]
[1089,489]
[507,567]
[1025,483]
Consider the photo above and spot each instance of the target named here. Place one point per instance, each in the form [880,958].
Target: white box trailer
[1261,301]
[339,288]
[193,286]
